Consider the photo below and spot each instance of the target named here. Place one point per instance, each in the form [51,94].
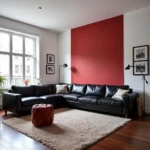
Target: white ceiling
[59,15]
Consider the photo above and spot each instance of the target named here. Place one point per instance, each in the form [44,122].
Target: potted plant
[26,82]
[38,80]
[2,79]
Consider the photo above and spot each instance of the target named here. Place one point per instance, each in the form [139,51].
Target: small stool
[42,115]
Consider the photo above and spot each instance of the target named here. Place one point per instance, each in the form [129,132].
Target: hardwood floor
[133,136]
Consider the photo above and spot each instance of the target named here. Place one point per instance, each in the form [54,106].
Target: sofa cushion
[71,97]
[69,88]
[51,96]
[53,88]
[78,89]
[88,99]
[119,94]
[28,101]
[55,99]
[111,90]
[95,90]
[42,90]
[62,89]
[25,91]
[107,101]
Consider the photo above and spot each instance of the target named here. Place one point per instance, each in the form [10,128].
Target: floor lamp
[144,81]
[64,66]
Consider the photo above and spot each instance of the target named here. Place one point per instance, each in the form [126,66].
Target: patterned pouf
[42,115]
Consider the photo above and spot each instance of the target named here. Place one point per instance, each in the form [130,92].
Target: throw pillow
[61,89]
[119,94]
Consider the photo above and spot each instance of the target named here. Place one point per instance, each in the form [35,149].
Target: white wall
[136,33]
[48,45]
[64,51]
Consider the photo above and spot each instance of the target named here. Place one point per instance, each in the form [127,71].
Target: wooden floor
[133,136]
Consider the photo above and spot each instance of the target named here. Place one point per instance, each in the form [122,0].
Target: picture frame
[144,67]
[141,53]
[50,69]
[50,59]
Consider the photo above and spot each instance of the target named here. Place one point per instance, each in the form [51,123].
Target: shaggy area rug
[71,130]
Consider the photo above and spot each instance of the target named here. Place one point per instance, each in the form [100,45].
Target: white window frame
[23,55]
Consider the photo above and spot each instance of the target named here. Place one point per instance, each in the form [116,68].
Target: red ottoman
[42,115]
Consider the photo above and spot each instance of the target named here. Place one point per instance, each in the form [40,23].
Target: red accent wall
[97,53]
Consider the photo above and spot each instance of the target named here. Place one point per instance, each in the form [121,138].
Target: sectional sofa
[89,97]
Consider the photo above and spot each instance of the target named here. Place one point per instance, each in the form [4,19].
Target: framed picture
[50,69]
[141,53]
[50,59]
[141,66]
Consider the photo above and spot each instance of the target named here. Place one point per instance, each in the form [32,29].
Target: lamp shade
[65,65]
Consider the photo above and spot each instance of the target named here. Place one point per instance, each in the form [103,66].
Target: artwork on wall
[141,66]
[50,59]
[141,60]
[50,69]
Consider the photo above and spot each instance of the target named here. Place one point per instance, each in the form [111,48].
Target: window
[17,44]
[4,42]
[28,69]
[17,58]
[16,68]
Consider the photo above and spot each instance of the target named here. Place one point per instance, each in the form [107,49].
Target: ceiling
[60,15]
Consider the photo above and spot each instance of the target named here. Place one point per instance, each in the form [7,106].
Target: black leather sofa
[89,97]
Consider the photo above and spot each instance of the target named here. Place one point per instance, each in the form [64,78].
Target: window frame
[23,55]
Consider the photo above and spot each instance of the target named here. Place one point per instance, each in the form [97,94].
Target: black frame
[50,55]
[47,70]
[141,70]
[147,60]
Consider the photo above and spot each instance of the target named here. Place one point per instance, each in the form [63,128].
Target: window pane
[4,42]
[5,68]
[17,44]
[29,69]
[29,46]
[17,78]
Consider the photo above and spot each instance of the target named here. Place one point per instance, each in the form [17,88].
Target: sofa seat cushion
[110,102]
[71,97]
[88,99]
[28,101]
[51,97]
[54,99]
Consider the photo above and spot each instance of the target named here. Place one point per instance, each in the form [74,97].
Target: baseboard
[147,110]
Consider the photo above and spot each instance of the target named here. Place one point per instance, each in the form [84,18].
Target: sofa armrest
[130,103]
[11,102]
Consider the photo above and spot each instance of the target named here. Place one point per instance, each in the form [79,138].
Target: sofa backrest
[112,89]
[41,90]
[25,91]
[95,90]
[78,89]
[81,89]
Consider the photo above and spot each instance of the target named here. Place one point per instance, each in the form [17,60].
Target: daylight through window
[17,58]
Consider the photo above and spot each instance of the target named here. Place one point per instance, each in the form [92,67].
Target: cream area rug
[71,130]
